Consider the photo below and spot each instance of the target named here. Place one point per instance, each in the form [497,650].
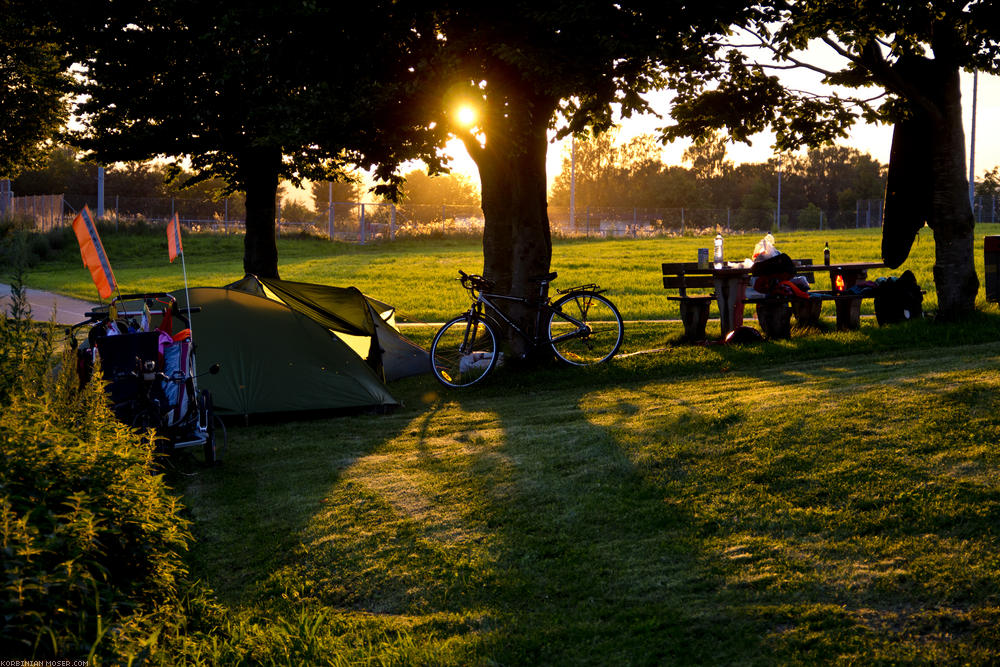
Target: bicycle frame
[542,309]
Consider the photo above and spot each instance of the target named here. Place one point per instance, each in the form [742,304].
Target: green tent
[275,359]
[365,324]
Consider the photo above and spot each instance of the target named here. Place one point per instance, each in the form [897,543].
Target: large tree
[34,84]
[532,66]
[913,52]
[252,93]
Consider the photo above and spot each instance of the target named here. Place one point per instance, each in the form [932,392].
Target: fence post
[277,217]
[329,215]
[225,216]
[5,196]
[392,222]
[100,192]
[588,221]
[116,212]
[683,224]
[361,226]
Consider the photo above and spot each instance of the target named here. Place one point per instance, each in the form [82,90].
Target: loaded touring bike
[582,327]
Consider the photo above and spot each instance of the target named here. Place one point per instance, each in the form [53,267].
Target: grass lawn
[831,498]
[417,276]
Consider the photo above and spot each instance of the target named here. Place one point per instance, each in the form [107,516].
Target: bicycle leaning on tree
[582,327]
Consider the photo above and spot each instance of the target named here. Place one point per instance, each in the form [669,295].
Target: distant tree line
[632,174]
[133,185]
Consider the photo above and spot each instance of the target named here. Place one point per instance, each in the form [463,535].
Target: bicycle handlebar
[474,283]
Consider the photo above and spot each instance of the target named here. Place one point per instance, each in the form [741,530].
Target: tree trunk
[259,173]
[927,182]
[517,245]
[951,211]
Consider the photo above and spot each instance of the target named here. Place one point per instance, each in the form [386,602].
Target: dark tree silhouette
[251,93]
[913,52]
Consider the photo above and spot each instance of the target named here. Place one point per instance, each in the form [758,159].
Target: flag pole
[187,296]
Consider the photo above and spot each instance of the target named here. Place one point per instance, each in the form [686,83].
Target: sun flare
[466,115]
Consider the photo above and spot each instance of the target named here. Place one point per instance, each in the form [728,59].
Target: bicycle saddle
[547,278]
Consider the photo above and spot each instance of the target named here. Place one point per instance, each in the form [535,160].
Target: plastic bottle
[718,251]
[826,254]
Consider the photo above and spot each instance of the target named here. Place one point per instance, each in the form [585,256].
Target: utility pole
[972,143]
[778,221]
[572,182]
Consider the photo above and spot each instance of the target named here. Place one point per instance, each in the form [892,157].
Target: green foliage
[199,92]
[630,174]
[831,178]
[293,211]
[34,84]
[91,539]
[990,185]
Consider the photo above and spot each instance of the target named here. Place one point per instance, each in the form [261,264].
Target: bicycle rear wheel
[585,328]
[464,351]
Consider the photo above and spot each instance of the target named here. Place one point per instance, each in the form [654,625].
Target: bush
[91,539]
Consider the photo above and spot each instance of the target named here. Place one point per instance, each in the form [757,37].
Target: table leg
[848,313]
[730,292]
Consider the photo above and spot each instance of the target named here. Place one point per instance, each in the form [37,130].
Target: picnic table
[730,281]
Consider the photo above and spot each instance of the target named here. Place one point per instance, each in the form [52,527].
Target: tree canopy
[34,84]
[251,93]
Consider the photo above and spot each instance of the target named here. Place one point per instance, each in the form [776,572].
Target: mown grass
[833,498]
[417,276]
[829,499]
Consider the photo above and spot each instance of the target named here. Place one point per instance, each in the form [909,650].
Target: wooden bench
[773,312]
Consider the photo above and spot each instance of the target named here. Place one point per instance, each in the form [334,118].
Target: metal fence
[363,222]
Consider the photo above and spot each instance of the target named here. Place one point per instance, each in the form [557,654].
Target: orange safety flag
[92,251]
[174,246]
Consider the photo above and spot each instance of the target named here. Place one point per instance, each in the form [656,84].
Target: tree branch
[872,59]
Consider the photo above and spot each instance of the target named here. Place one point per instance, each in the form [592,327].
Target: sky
[872,139]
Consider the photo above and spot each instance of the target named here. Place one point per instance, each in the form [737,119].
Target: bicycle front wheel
[585,328]
[464,351]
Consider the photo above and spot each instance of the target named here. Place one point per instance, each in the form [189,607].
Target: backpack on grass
[898,299]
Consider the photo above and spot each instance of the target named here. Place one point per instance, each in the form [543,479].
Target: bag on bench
[775,276]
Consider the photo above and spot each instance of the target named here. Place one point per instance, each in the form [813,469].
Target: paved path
[67,310]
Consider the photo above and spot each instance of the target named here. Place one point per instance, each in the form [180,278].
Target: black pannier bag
[780,266]
[898,299]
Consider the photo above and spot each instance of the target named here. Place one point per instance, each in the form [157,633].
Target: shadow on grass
[547,519]
[250,512]
[601,565]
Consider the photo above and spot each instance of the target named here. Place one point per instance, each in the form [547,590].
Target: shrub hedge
[91,537]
